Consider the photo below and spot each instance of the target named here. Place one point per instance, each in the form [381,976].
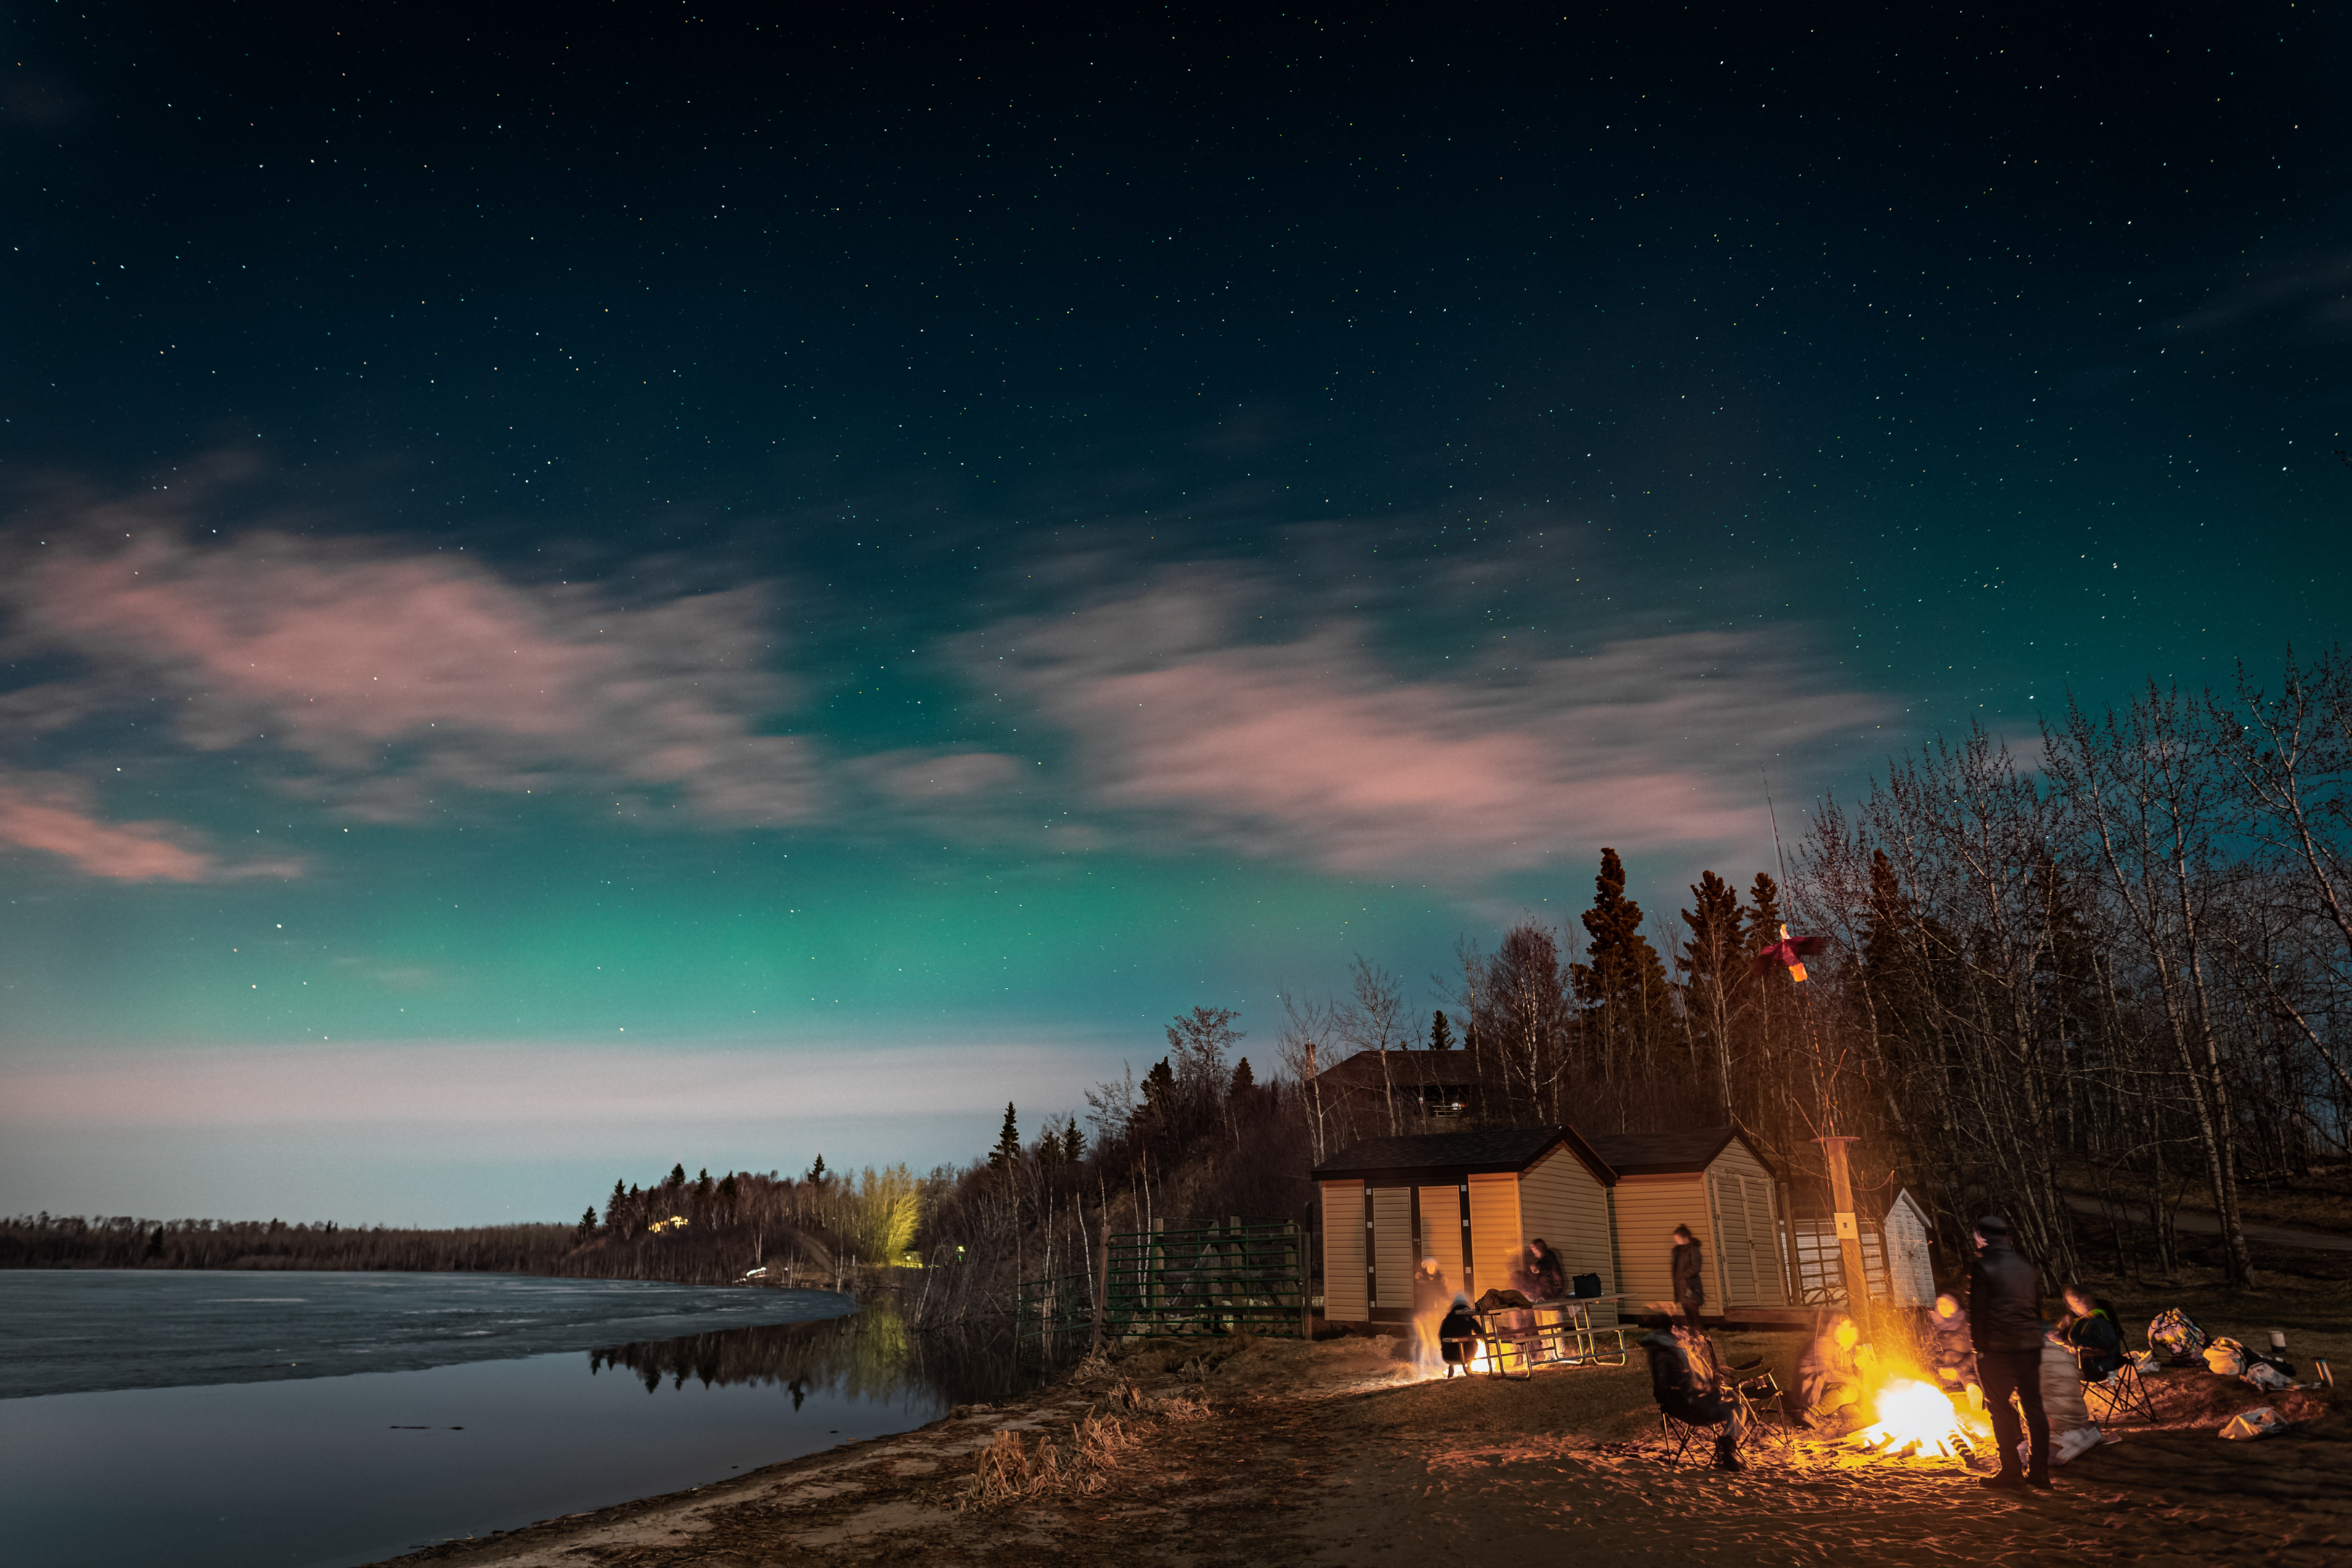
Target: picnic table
[1555,1331]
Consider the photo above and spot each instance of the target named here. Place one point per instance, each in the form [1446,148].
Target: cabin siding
[1343,1253]
[1562,1201]
[1441,1231]
[1393,1257]
[1648,1209]
[1497,1242]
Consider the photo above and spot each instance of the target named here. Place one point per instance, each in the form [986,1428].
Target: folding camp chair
[2124,1393]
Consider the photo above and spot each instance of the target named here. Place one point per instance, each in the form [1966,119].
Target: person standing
[2004,1310]
[1690,1289]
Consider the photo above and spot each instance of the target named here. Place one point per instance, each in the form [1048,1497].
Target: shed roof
[1488,1150]
[1406,1069]
[1668,1153]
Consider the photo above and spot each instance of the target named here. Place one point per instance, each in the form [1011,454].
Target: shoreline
[1257,1452]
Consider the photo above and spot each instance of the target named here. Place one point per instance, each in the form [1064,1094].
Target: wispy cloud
[502,1084]
[396,675]
[57,816]
[1312,749]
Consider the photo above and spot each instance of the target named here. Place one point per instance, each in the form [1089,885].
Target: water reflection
[871,1355]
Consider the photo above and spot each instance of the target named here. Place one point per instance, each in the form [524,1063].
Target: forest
[2091,984]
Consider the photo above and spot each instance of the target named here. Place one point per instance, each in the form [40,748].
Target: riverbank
[1277,1452]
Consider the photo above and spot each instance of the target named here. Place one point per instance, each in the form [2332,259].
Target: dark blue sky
[852,564]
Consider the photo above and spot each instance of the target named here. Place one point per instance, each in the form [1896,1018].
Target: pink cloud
[396,676]
[54,817]
[1310,749]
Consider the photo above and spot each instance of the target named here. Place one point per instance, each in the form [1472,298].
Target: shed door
[1393,1248]
[1733,1251]
[1763,1241]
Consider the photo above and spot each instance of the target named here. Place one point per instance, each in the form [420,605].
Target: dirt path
[1342,1466]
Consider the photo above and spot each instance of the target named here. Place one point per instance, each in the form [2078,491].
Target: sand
[1274,1452]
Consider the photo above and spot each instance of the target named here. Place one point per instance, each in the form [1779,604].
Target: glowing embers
[1915,1418]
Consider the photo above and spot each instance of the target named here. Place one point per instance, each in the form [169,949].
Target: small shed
[1713,1180]
[1910,1272]
[1471,1200]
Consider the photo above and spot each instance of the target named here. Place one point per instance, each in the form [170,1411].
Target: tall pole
[1849,1232]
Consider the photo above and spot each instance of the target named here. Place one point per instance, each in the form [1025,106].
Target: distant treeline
[120,1241]
[820,1230]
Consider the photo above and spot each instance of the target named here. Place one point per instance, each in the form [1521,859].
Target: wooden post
[1849,1232]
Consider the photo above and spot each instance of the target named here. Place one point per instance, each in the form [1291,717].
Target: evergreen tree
[1441,1033]
[1713,959]
[1007,1152]
[816,1172]
[702,1184]
[616,1205]
[1629,1007]
[1159,1113]
[677,1175]
[587,1226]
[1245,1081]
[1074,1142]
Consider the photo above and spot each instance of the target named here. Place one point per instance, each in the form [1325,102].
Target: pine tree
[1245,1081]
[677,1175]
[702,1184]
[1629,1007]
[1007,1153]
[1074,1142]
[1441,1033]
[816,1172]
[1713,960]
[587,1228]
[1157,1115]
[616,1204]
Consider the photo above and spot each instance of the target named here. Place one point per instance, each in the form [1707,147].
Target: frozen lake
[322,1419]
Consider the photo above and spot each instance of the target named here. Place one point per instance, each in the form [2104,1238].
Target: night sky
[625,584]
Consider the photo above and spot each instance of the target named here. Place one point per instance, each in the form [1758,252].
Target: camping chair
[2124,1393]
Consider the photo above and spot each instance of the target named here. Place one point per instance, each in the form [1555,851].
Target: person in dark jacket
[1541,1274]
[1458,1336]
[2090,1330]
[1686,1392]
[1690,1290]
[2004,1309]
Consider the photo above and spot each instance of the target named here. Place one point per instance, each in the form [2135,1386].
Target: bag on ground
[2248,1424]
[2226,1358]
[2071,1443]
[2174,1338]
[2266,1376]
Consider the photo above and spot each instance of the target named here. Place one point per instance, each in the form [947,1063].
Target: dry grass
[1100,1444]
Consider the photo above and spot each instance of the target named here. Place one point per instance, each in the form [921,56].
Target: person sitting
[1951,1352]
[1458,1336]
[2090,1331]
[1834,1373]
[1691,1395]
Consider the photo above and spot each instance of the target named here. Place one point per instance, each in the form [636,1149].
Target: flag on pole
[1791,950]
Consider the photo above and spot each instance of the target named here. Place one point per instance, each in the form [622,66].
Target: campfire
[1915,1419]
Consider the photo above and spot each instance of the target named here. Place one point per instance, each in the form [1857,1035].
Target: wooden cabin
[1471,1200]
[1713,1181]
[1427,1091]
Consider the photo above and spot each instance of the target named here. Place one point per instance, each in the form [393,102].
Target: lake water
[315,1420]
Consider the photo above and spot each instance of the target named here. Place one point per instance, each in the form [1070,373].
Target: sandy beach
[1276,1452]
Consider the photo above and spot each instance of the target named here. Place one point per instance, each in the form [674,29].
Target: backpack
[2226,1358]
[2174,1338]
